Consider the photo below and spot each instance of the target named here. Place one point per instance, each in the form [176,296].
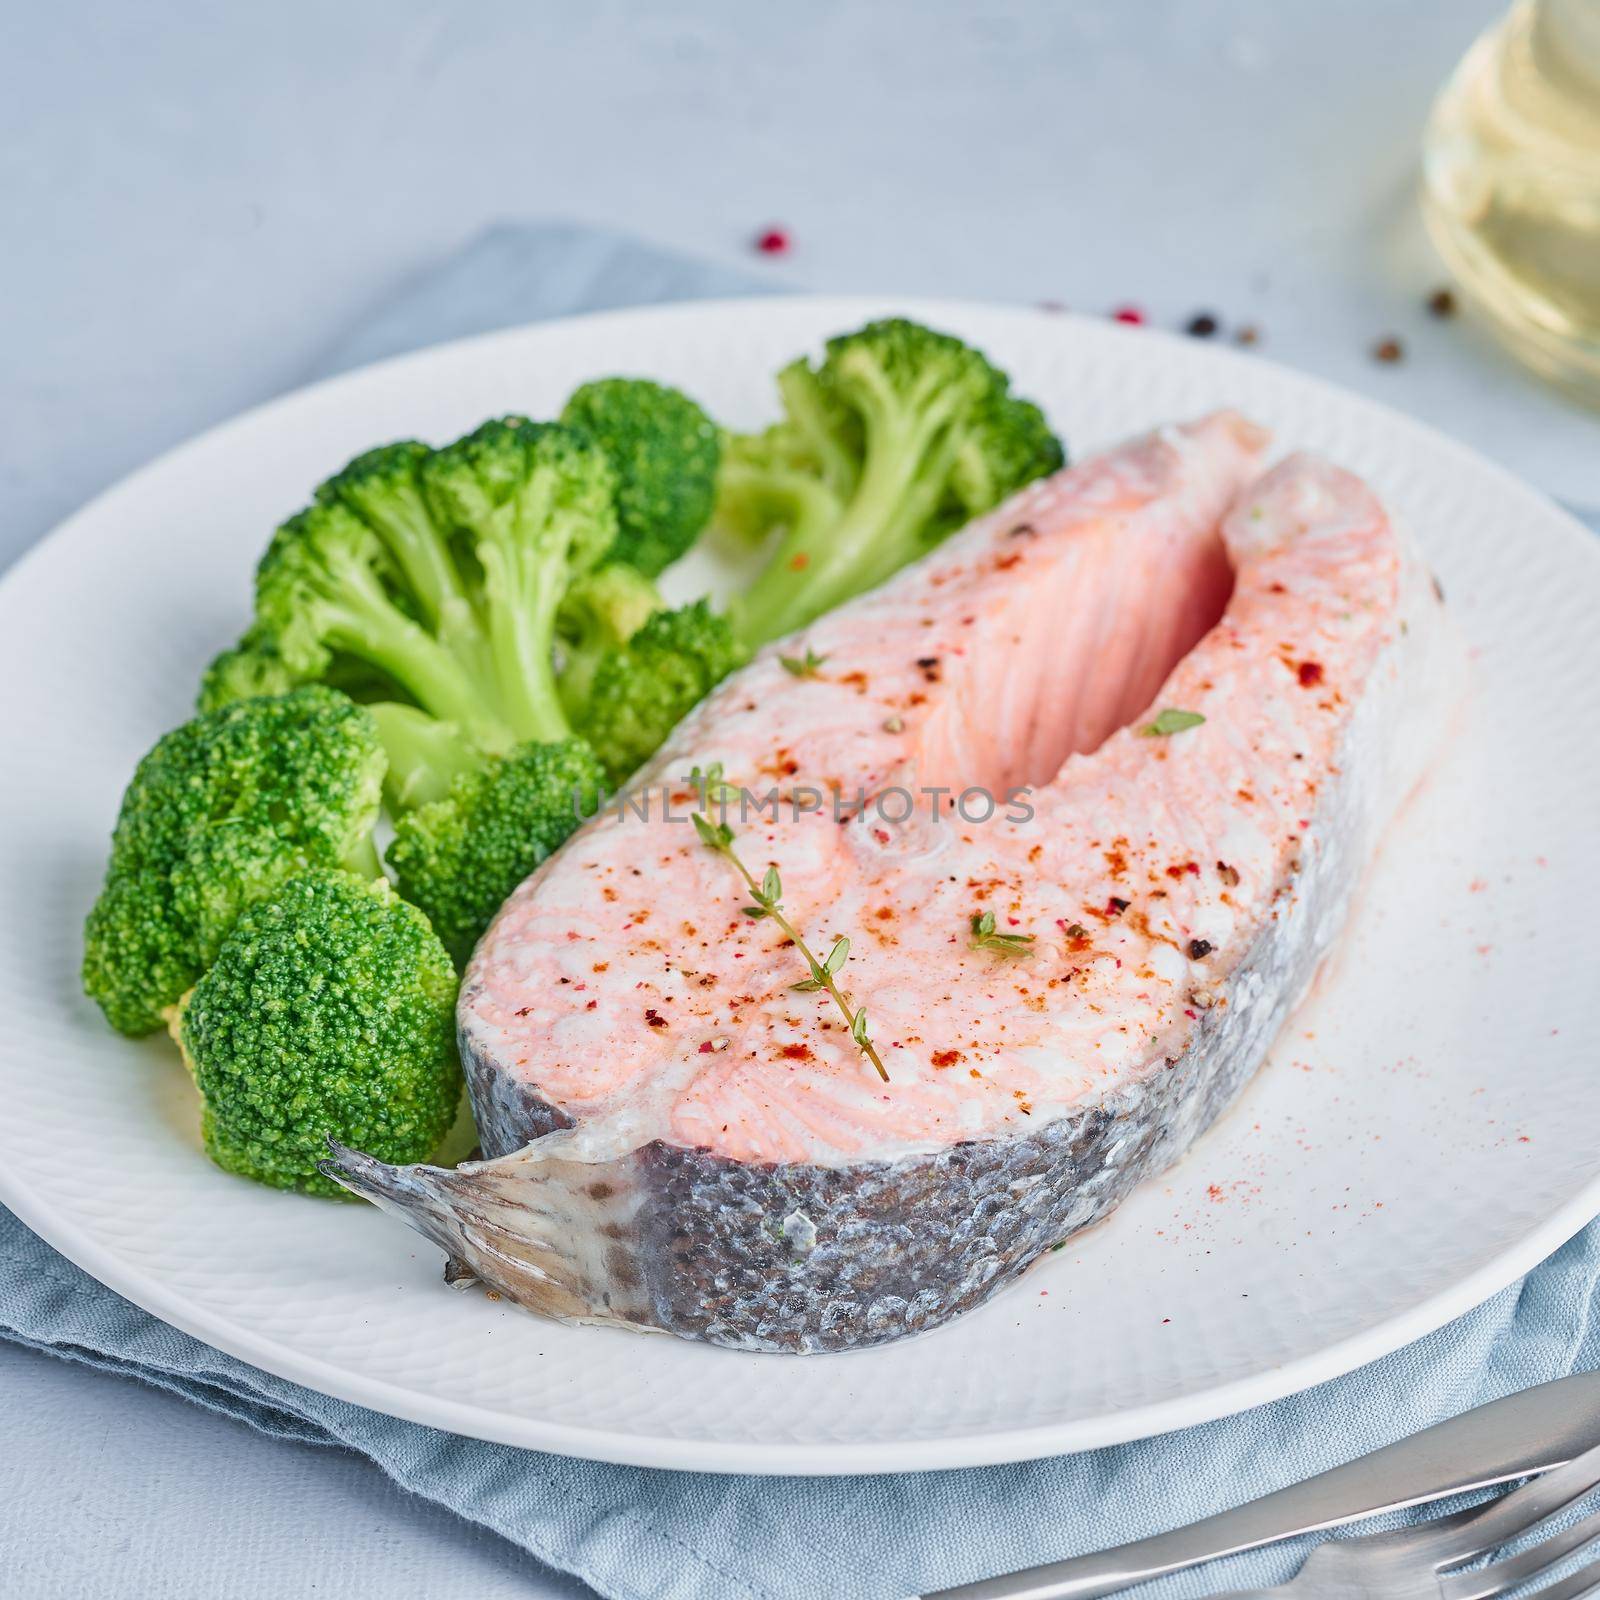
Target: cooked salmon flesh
[1087,791]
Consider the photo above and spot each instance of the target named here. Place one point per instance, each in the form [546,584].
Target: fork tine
[1512,1514]
[1503,1576]
[1573,1587]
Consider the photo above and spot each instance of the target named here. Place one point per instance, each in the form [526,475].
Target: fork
[1417,1563]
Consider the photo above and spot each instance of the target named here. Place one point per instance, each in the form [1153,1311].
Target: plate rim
[974,1447]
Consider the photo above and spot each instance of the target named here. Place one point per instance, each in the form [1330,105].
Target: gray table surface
[197,199]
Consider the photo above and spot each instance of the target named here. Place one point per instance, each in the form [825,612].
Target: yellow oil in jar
[1511,184]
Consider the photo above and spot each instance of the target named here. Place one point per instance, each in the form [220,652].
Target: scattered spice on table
[1442,303]
[1201,325]
[773,241]
[1247,335]
[1389,351]
[1131,315]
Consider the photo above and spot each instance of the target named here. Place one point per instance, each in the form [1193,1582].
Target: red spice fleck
[773,241]
[1182,867]
[1309,673]
[1116,905]
[947,1058]
[1006,562]
[654,1017]
[1213,1191]
[591,1005]
[799,561]
[1131,315]
[796,1052]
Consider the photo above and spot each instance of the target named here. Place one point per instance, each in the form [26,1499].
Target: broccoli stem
[820,562]
[362,859]
[425,756]
[523,590]
[367,625]
[419,549]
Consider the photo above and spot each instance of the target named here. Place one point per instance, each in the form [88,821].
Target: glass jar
[1511,184]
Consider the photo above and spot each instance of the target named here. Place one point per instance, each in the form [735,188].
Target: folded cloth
[652,1535]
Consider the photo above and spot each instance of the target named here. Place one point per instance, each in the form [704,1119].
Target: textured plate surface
[1422,1134]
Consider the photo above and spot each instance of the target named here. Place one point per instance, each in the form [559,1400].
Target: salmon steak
[1088,791]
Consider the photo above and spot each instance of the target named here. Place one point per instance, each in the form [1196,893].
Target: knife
[1513,1437]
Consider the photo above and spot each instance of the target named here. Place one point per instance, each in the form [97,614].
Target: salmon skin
[677,1139]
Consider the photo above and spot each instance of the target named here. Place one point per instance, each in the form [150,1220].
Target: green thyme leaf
[1171,721]
[984,937]
[802,666]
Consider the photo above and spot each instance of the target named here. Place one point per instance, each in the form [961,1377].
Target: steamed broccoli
[600,614]
[217,815]
[898,437]
[329,1010]
[458,858]
[250,668]
[643,689]
[665,452]
[428,581]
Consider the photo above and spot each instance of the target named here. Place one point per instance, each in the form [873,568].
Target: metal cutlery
[1417,1563]
[1524,1433]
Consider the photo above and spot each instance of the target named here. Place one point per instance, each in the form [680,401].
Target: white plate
[1421,1137]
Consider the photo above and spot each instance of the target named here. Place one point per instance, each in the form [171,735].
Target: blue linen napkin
[642,1534]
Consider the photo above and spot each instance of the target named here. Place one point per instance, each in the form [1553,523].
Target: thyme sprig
[767,895]
[806,666]
[985,937]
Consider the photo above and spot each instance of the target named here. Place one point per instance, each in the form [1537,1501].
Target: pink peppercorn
[1132,315]
[773,242]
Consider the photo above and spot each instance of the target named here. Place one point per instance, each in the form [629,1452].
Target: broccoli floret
[665,451]
[429,581]
[644,689]
[537,503]
[250,668]
[896,438]
[460,857]
[600,613]
[218,815]
[328,1011]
